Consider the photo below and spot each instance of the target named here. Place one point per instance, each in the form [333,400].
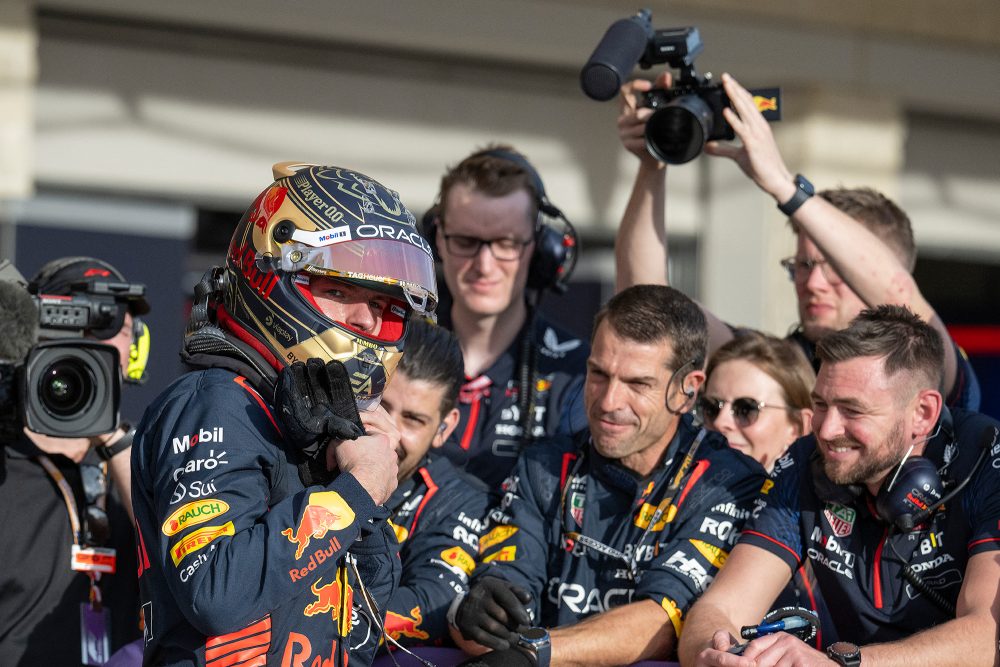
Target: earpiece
[441,427]
[689,392]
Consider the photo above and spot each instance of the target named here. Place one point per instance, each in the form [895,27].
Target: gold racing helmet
[326,221]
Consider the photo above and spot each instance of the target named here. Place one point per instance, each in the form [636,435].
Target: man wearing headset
[58,582]
[894,500]
[258,486]
[608,537]
[523,375]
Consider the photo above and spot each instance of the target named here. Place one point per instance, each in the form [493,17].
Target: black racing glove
[511,657]
[492,612]
[316,403]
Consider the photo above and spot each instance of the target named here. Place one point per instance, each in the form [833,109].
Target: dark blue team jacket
[239,562]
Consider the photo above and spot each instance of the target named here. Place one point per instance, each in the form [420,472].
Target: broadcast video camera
[690,112]
[65,386]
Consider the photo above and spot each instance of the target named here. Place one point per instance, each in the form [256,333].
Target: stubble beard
[873,464]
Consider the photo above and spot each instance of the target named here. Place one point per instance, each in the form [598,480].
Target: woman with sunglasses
[757,395]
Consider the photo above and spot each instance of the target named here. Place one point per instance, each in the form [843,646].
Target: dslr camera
[690,112]
[65,386]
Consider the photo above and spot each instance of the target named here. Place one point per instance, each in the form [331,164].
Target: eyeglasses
[503,249]
[744,410]
[799,270]
[96,526]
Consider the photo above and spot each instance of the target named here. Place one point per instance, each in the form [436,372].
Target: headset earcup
[553,259]
[917,487]
[428,228]
[138,353]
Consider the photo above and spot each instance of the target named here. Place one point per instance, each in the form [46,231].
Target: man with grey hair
[892,502]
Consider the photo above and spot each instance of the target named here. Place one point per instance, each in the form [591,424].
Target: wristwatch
[844,653]
[535,642]
[107,452]
[803,191]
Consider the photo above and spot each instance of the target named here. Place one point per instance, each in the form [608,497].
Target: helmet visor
[396,264]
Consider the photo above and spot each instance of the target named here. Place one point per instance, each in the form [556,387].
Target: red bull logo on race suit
[397,625]
[325,511]
[329,599]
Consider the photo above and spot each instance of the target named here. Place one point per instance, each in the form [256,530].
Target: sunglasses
[744,410]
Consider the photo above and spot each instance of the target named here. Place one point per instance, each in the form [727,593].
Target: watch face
[535,634]
[845,653]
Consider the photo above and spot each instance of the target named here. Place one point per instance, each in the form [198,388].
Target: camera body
[66,385]
[691,115]
[67,389]
[690,112]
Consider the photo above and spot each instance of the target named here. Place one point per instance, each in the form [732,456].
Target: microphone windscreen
[18,322]
[613,59]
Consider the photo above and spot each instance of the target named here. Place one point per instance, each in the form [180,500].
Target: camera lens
[71,388]
[676,133]
[65,387]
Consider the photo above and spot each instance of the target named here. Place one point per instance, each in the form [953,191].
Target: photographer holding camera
[860,241]
[66,566]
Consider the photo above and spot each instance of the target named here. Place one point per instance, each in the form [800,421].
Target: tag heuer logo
[841,519]
[576,507]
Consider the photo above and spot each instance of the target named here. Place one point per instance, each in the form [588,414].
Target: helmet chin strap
[232,326]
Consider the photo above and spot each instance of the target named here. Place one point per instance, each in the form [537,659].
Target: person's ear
[445,428]
[687,389]
[691,384]
[924,416]
[803,422]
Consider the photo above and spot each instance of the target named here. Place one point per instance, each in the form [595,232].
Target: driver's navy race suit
[488,437]
[564,486]
[857,560]
[438,515]
[239,563]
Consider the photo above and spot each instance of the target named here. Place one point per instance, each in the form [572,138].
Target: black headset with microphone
[916,490]
[556,245]
[911,495]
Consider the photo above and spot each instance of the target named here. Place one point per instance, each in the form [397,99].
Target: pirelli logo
[198,539]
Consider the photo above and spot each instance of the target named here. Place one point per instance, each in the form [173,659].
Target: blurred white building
[136,129]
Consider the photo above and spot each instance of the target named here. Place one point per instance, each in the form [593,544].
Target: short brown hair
[779,358]
[895,334]
[491,175]
[653,313]
[880,215]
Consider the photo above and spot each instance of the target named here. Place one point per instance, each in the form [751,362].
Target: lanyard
[662,507]
[67,494]
[74,520]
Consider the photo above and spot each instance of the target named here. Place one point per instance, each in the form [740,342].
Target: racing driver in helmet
[258,483]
